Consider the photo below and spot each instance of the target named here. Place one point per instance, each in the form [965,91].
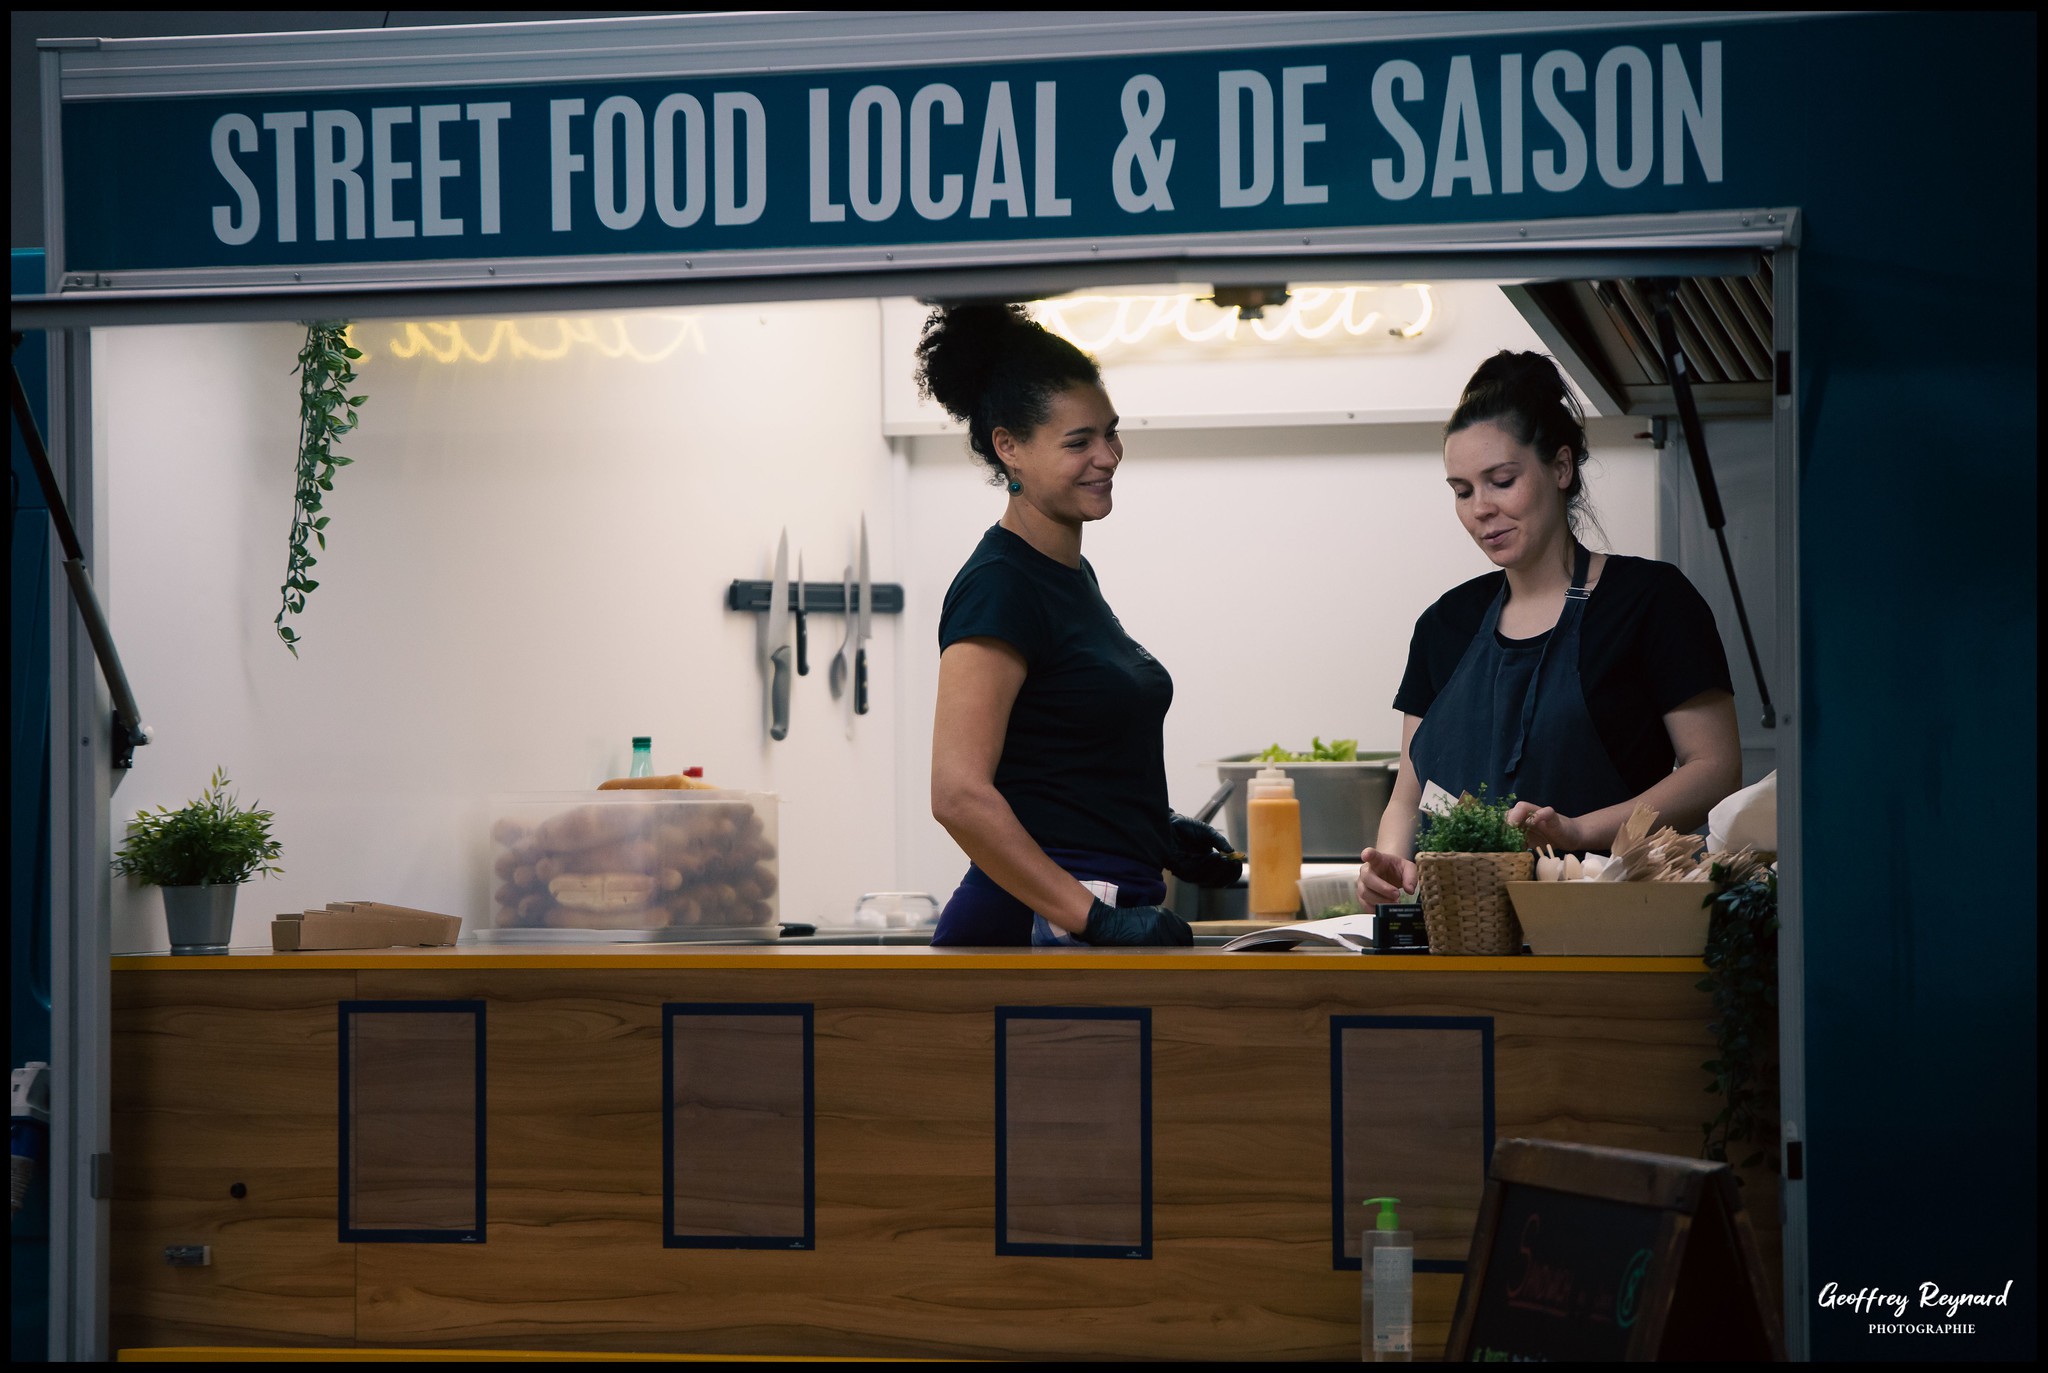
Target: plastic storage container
[633,865]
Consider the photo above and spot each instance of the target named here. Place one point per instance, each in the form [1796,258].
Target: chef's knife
[778,643]
[803,639]
[862,628]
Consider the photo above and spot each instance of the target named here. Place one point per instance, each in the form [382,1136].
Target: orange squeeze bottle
[1274,822]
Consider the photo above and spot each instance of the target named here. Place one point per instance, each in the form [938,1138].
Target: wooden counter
[1252,1093]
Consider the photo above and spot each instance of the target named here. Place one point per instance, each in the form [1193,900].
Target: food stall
[634,294]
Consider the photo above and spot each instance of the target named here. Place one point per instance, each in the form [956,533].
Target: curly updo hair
[1526,395]
[994,367]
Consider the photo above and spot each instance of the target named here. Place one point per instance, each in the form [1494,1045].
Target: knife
[862,628]
[803,639]
[778,643]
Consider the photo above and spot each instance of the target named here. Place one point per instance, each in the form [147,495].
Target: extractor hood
[1605,335]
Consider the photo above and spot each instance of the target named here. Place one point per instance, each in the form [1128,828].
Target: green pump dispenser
[1387,1220]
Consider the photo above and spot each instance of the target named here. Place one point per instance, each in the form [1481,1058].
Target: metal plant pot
[202,919]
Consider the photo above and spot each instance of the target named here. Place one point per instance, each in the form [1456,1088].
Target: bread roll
[588,826]
[602,891]
[622,855]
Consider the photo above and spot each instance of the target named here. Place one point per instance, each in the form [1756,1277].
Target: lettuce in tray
[1336,751]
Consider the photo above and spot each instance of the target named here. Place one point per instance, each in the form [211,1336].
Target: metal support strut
[129,731]
[1703,473]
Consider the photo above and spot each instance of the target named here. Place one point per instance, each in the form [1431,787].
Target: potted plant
[1464,857]
[200,854]
[1742,978]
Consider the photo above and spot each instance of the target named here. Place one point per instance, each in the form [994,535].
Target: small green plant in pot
[200,854]
[1464,857]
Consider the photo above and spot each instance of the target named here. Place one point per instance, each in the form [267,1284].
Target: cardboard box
[1639,919]
[362,925]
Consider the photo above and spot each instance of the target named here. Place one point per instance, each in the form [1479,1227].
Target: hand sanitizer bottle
[1388,1261]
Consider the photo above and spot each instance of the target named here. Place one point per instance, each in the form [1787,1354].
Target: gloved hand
[1134,925]
[1201,853]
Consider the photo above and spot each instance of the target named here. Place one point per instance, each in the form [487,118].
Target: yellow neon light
[1098,323]
[545,340]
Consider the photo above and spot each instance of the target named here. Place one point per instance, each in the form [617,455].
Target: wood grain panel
[220,1080]
[740,1125]
[1074,1132]
[1414,1112]
[412,1120]
[906,1261]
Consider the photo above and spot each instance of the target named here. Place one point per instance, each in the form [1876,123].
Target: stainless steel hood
[1604,334]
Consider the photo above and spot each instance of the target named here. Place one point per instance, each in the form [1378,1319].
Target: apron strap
[1575,596]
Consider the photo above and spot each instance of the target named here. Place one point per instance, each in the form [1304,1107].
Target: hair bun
[1530,374]
[960,349]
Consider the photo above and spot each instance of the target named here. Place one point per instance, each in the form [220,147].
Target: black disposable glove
[1200,854]
[1134,925]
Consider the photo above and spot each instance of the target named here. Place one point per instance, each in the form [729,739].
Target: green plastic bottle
[643,756]
[1387,1258]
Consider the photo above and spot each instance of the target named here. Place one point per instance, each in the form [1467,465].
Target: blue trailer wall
[1919,523]
[28,814]
[1908,143]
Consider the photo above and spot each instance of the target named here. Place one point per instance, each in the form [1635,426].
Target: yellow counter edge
[469,958]
[246,1354]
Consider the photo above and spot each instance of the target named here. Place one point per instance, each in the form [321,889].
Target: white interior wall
[1164,381]
[526,566]
[528,559]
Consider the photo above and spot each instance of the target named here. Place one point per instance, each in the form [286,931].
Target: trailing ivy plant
[1742,977]
[326,412]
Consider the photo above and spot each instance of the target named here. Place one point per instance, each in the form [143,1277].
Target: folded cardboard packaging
[361,925]
[1640,919]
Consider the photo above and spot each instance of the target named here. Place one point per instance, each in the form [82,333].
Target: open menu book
[1353,932]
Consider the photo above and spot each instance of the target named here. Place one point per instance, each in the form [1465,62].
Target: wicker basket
[1465,902]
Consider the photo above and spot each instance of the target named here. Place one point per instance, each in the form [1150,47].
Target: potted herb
[1464,857]
[200,854]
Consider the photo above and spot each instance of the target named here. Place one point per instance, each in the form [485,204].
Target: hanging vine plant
[326,412]
[1742,964]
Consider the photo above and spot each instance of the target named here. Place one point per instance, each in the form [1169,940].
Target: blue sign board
[1526,126]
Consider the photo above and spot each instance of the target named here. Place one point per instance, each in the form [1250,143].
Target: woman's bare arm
[978,683]
[1387,868]
[1708,745]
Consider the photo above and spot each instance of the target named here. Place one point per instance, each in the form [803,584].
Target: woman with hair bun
[1048,764]
[1581,683]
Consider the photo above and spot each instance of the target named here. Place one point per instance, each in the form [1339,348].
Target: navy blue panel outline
[1142,1015]
[670,1010]
[1483,1024]
[350,1235]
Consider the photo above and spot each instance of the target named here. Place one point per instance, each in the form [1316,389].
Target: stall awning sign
[1520,127]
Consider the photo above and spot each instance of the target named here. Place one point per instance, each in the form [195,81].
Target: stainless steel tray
[689,934]
[1340,802]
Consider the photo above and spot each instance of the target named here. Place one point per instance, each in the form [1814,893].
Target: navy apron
[982,913]
[1514,717]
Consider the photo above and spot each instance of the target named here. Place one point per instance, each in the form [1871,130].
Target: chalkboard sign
[1594,1255]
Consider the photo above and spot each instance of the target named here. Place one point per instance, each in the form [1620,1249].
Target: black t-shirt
[1647,644]
[1084,758]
